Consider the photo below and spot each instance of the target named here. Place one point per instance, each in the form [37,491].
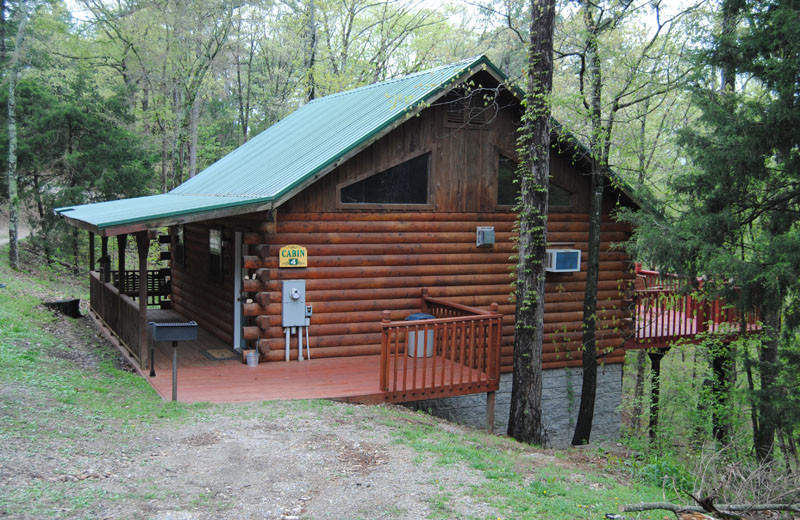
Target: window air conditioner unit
[563,260]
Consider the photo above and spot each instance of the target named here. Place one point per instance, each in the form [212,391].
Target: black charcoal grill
[174,332]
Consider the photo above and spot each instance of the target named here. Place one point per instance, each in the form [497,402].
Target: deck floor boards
[356,378]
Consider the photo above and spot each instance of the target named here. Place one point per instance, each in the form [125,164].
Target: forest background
[127,98]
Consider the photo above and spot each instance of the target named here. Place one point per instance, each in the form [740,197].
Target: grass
[515,485]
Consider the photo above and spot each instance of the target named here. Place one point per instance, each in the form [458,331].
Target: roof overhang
[118,217]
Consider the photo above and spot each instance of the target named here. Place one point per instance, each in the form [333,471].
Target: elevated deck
[665,314]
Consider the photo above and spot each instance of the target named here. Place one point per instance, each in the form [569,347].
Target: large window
[215,254]
[180,248]
[406,183]
[508,187]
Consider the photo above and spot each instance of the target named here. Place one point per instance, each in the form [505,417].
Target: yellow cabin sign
[293,256]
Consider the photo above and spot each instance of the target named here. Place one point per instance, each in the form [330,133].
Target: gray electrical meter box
[294,303]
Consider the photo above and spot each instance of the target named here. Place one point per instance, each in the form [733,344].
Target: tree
[75,138]
[166,49]
[646,74]
[614,84]
[12,74]
[525,418]
[738,221]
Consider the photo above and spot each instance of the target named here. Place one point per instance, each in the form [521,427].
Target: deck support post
[105,261]
[490,400]
[91,251]
[656,355]
[384,375]
[122,242]
[143,247]
[174,370]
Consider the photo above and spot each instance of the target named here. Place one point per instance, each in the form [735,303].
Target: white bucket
[417,344]
[252,359]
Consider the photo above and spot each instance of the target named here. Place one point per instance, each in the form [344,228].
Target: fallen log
[70,307]
[722,508]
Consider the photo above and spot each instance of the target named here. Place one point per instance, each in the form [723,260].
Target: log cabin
[370,206]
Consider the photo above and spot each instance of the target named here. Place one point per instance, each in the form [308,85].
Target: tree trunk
[641,144]
[525,418]
[655,389]
[764,438]
[312,50]
[721,361]
[13,190]
[638,390]
[3,32]
[598,142]
[728,76]
[193,125]
[164,157]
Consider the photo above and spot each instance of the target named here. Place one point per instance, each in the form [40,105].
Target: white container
[420,345]
[252,359]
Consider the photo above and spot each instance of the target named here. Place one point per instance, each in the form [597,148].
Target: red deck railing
[666,311]
[465,357]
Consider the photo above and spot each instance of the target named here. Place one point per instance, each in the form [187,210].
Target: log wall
[361,264]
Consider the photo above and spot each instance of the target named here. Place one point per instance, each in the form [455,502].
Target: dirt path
[24,228]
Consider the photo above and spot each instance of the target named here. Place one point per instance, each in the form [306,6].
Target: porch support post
[122,241]
[490,412]
[655,355]
[106,264]
[91,251]
[143,246]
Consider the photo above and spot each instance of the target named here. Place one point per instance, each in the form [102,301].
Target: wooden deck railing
[666,311]
[465,355]
[120,314]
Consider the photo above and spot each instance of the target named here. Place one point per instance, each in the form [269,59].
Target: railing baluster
[428,330]
[472,353]
[396,346]
[437,345]
[417,356]
[385,351]
[444,354]
[405,357]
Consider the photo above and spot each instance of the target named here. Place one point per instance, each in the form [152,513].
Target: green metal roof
[264,171]
[155,209]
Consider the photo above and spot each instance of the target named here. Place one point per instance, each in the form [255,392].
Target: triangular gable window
[406,183]
[508,189]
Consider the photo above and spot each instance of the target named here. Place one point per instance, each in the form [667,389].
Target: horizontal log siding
[362,264]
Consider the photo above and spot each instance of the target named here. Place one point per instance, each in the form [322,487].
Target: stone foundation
[561,395]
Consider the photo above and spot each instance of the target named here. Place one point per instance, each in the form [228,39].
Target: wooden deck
[664,315]
[356,379]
